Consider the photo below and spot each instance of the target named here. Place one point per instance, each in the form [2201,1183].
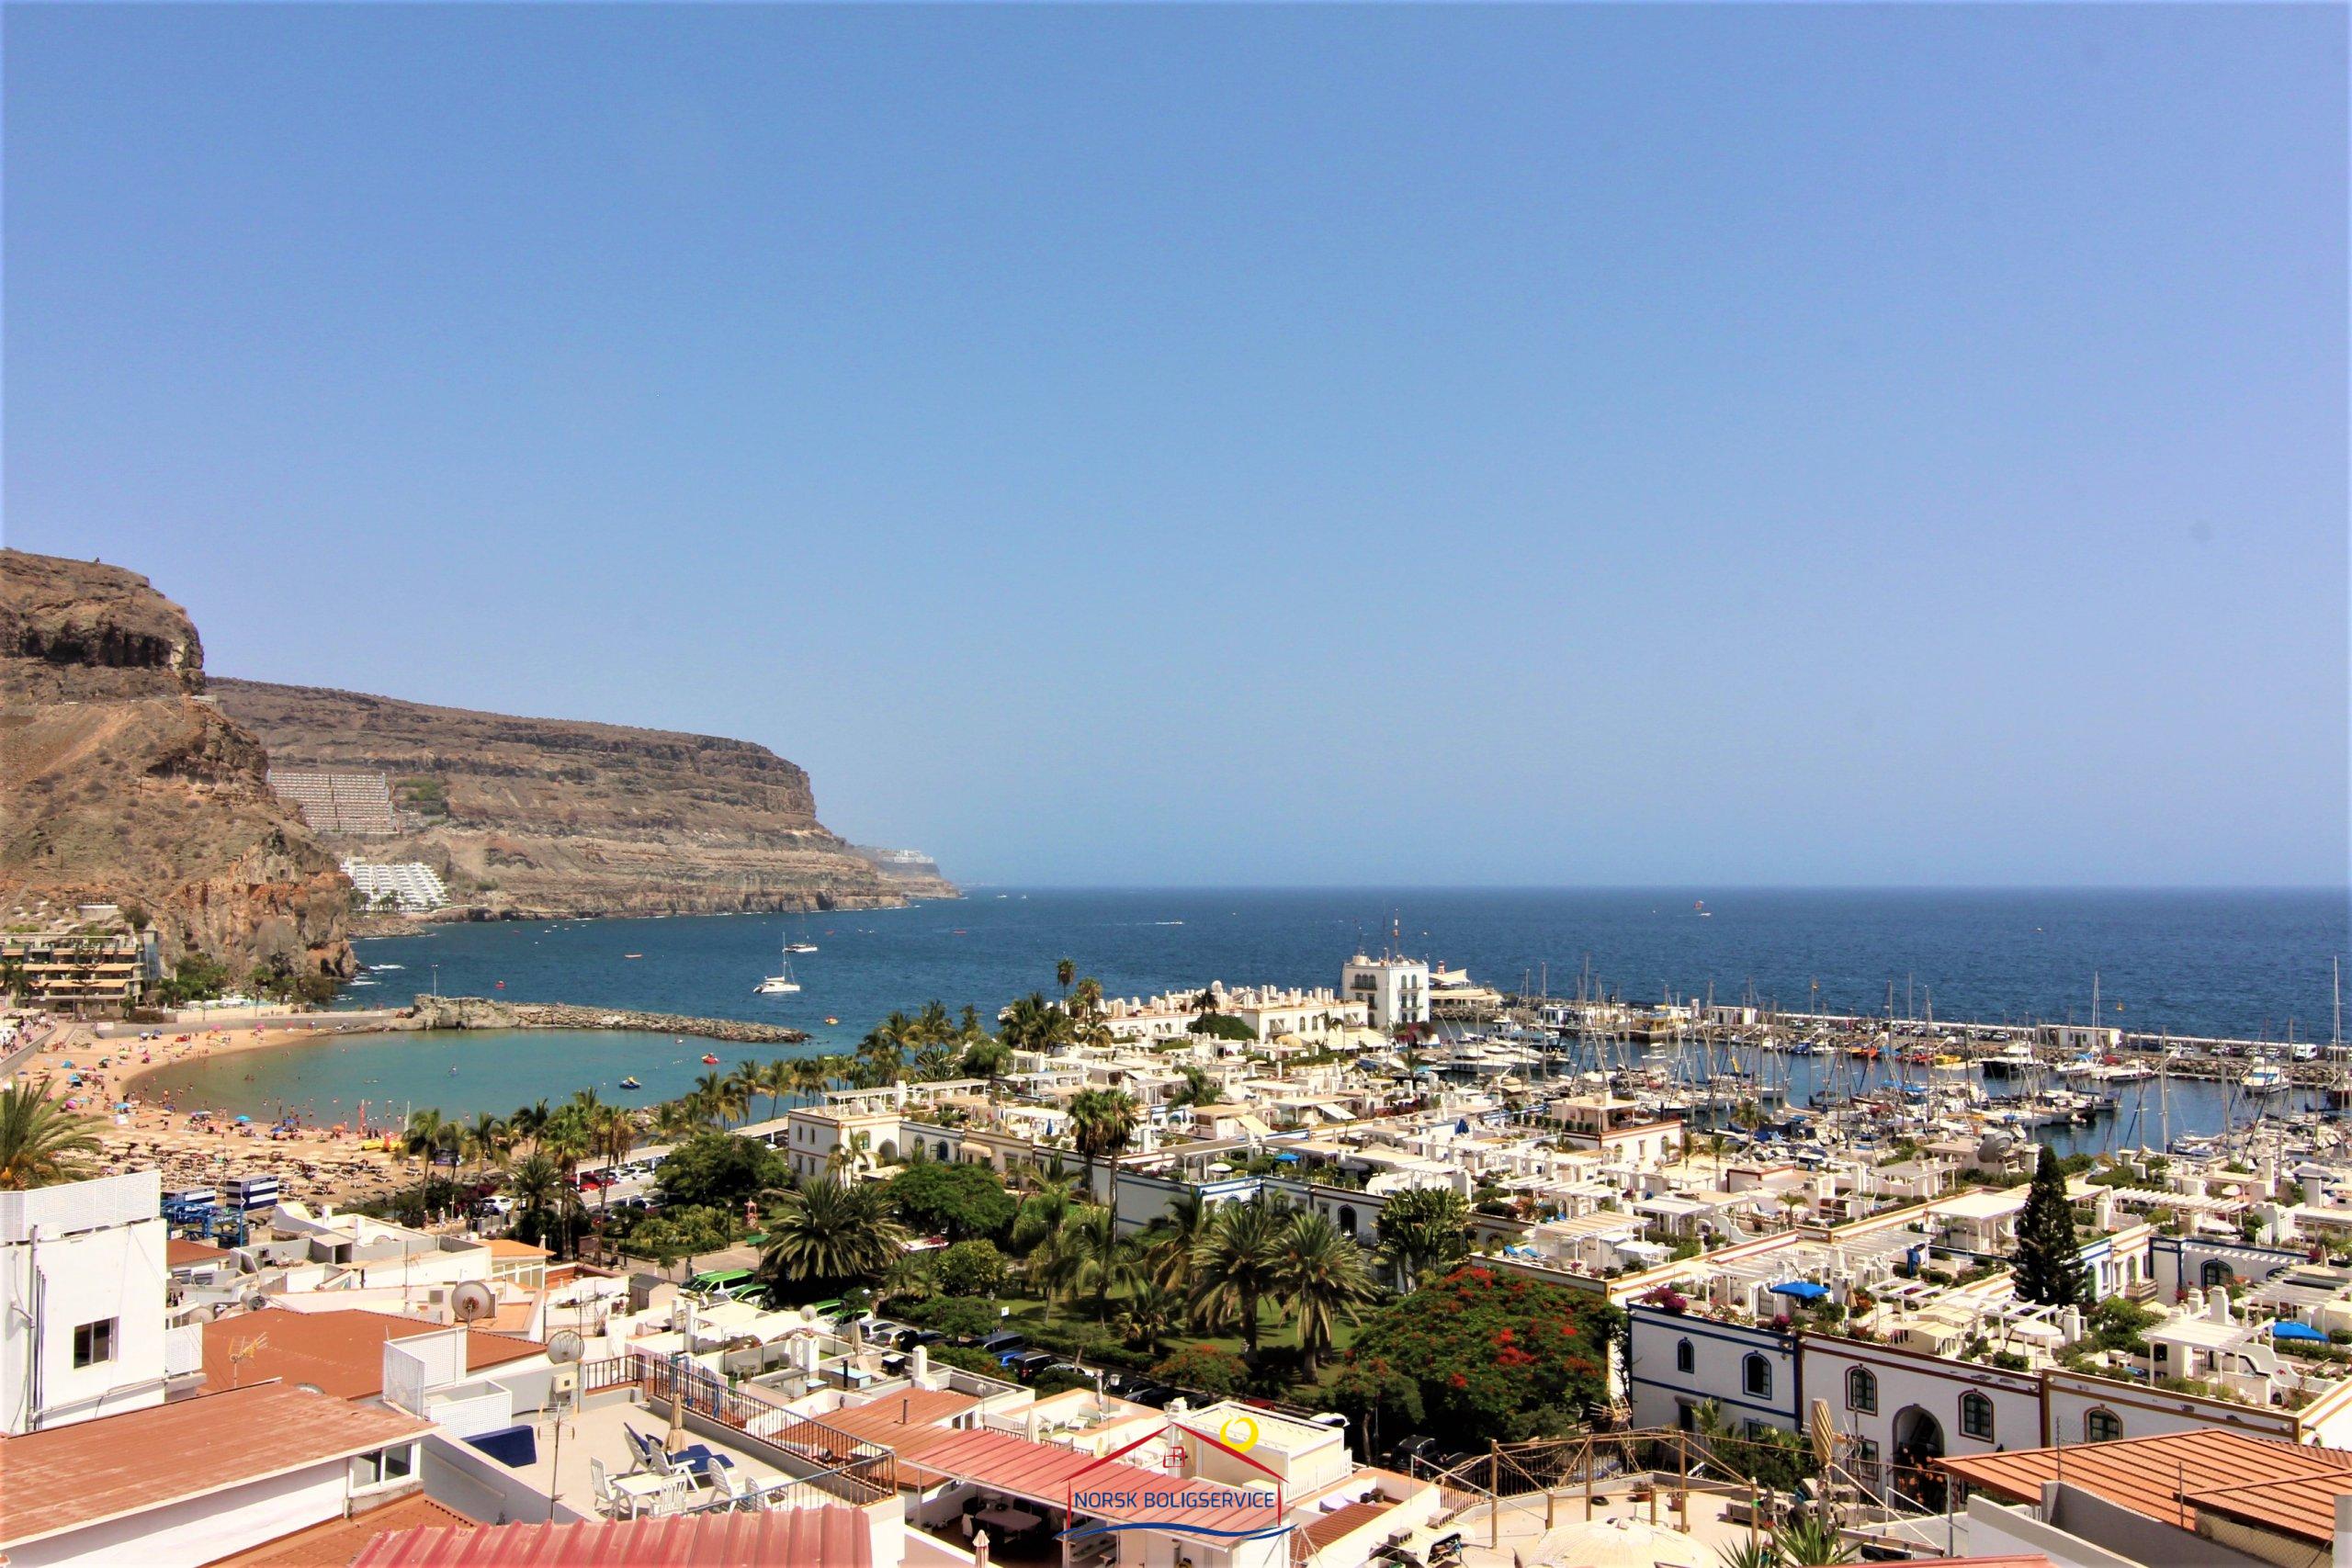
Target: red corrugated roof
[1043,1473]
[803,1538]
[2148,1475]
[341,1353]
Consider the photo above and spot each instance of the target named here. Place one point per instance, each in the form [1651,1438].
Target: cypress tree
[2049,1262]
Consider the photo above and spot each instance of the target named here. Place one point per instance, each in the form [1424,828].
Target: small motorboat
[708,1060]
[630,1082]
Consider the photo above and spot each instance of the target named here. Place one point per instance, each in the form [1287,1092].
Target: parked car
[910,1337]
[1152,1395]
[997,1345]
[1027,1364]
[496,1203]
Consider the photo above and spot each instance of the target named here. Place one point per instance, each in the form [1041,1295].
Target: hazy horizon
[1547,447]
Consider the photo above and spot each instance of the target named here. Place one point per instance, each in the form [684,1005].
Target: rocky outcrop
[121,783]
[542,817]
[482,1012]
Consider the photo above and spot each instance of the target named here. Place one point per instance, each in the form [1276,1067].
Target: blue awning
[2288,1329]
[1287,1157]
[1803,1288]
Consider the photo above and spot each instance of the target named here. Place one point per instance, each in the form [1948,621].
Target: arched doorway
[1919,1443]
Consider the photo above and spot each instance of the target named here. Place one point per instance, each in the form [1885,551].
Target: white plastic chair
[609,1502]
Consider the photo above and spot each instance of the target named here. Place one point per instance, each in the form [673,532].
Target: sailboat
[778,985]
[801,944]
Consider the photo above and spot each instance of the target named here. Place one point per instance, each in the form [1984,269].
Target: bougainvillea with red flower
[1478,1355]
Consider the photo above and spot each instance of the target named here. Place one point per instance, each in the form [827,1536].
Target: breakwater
[428,1012]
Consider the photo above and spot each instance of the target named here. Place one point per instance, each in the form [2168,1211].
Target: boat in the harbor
[630,1082]
[778,985]
[708,1060]
[2264,1078]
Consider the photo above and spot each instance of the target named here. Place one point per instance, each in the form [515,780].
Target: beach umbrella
[2288,1329]
[1804,1290]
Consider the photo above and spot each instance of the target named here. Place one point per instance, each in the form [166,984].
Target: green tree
[1101,1123]
[42,1143]
[718,1171]
[824,1235]
[1205,1369]
[2048,1263]
[1101,1261]
[1319,1277]
[1149,1316]
[970,1269]
[1479,1355]
[1811,1541]
[1421,1229]
[959,1202]
[1236,1264]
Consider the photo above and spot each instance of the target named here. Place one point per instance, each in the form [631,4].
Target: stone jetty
[484,1013]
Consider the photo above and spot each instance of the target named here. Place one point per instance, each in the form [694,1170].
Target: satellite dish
[203,1314]
[473,1301]
[256,1302]
[565,1344]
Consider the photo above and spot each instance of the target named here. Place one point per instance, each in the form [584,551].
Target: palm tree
[1149,1316]
[1063,970]
[935,1062]
[932,1025]
[537,1185]
[1421,1228]
[1811,1541]
[912,1277]
[1033,1023]
[529,1122]
[40,1140]
[611,1135]
[882,1055]
[1168,1243]
[1101,1259]
[829,1234]
[778,1080]
[1319,1275]
[488,1140]
[424,1137]
[1236,1263]
[987,1057]
[1041,1212]
[1101,1123]
[848,1156]
[809,1077]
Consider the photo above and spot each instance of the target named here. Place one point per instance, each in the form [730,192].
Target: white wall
[95,1250]
[200,1530]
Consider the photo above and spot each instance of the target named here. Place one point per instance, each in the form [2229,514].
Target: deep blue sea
[2244,963]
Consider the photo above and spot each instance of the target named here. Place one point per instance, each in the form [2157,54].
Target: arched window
[1756,1376]
[1347,1219]
[1685,1359]
[1976,1417]
[2216,1271]
[2102,1426]
[1861,1390]
[943,1148]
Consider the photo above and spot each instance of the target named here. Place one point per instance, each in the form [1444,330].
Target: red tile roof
[341,1353]
[1344,1520]
[1043,1473]
[69,1477]
[803,1538]
[2150,1476]
[179,1254]
[2301,1506]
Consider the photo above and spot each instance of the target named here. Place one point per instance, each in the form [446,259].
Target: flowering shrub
[1478,1355]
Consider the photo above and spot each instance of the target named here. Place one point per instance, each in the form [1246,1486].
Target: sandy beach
[101,1076]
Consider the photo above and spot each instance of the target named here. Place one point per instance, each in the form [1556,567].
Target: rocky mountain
[122,781]
[558,816]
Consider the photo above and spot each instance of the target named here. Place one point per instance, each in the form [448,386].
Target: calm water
[2234,963]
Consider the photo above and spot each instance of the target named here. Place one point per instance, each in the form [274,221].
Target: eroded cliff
[120,781]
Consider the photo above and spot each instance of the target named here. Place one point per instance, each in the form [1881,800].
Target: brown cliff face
[121,782]
[555,816]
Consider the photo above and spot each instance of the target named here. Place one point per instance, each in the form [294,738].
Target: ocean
[2244,963]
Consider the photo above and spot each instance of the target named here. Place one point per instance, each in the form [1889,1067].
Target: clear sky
[1685,445]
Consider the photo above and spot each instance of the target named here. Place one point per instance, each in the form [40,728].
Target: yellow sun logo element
[1239,1432]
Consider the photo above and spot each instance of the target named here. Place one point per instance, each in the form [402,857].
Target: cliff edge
[543,818]
[121,781]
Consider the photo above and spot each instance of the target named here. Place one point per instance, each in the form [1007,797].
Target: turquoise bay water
[2244,963]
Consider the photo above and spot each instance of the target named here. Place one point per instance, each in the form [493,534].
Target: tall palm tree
[611,1135]
[1102,1260]
[932,1025]
[1101,1123]
[537,1185]
[1236,1263]
[529,1122]
[747,1079]
[1318,1276]
[488,1140]
[42,1143]
[1169,1239]
[1063,970]
[776,1080]
[1422,1228]
[987,1057]
[1041,1212]
[829,1234]
[810,1077]
[424,1137]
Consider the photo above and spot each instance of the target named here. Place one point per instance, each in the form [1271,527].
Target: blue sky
[1692,444]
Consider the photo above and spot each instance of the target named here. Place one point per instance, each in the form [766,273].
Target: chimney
[2220,1303]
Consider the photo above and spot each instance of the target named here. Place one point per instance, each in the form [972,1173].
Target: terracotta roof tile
[117,1465]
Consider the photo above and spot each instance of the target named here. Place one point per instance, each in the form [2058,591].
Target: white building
[82,1283]
[1395,990]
